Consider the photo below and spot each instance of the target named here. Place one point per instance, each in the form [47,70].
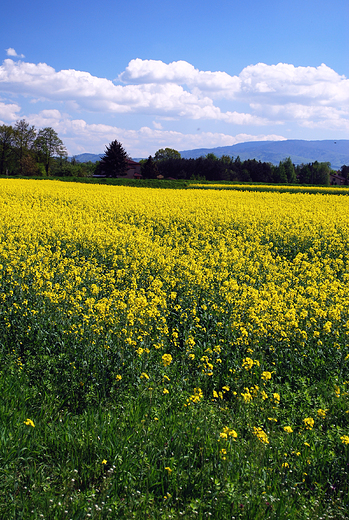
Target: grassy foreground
[173,354]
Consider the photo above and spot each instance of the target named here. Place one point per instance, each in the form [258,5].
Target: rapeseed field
[173,353]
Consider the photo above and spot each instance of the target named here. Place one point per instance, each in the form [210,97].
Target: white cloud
[80,137]
[271,81]
[157,125]
[181,72]
[8,112]
[101,95]
[309,85]
[311,116]
[261,95]
[11,52]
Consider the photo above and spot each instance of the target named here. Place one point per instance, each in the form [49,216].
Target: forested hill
[86,157]
[335,152]
[301,152]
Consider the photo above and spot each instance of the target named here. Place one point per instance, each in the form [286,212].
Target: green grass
[105,453]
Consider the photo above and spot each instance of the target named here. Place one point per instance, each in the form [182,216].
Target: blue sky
[182,74]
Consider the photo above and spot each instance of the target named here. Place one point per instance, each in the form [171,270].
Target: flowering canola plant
[238,295]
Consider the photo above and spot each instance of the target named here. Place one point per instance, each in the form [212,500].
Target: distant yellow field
[117,259]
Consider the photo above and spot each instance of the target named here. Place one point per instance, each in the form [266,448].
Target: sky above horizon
[178,74]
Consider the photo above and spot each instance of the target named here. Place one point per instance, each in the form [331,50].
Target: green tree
[305,174]
[211,157]
[23,137]
[290,171]
[6,142]
[166,153]
[345,172]
[149,169]
[321,173]
[280,175]
[114,160]
[49,145]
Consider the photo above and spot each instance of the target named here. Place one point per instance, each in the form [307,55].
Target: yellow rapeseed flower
[309,423]
[223,453]
[228,432]
[261,435]
[247,363]
[247,396]
[276,397]
[321,413]
[166,360]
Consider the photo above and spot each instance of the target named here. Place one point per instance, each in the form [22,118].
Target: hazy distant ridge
[86,157]
[335,152]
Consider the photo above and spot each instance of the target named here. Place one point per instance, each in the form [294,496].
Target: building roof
[131,162]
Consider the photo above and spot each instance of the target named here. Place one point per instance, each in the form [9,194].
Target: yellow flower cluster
[322,413]
[228,432]
[196,396]
[266,375]
[309,423]
[261,435]
[166,360]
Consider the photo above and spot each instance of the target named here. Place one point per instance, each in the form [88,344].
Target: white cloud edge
[79,136]
[11,52]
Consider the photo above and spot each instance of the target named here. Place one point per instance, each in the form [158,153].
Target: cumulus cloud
[11,52]
[102,95]
[180,72]
[260,95]
[80,137]
[269,81]
[285,81]
[9,111]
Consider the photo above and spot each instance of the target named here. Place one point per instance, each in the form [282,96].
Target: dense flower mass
[204,308]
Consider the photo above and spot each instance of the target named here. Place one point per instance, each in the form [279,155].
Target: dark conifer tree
[150,169]
[114,161]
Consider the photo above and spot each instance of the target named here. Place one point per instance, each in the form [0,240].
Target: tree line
[169,163]
[26,151]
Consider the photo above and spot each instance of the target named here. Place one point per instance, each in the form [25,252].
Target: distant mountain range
[86,157]
[334,152]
